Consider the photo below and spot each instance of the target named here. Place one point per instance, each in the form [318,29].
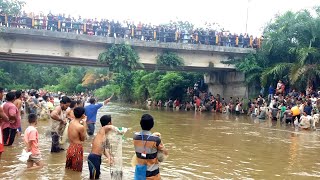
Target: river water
[201,146]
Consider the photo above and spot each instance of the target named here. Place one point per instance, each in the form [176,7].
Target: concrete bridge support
[227,84]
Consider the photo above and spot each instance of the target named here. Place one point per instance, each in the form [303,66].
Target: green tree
[120,58]
[11,7]
[290,51]
[169,59]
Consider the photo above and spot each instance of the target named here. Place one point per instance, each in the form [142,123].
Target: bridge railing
[131,31]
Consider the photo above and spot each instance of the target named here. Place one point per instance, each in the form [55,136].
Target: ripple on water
[307,174]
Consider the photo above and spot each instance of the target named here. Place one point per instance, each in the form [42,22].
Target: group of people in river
[300,109]
[128,29]
[74,120]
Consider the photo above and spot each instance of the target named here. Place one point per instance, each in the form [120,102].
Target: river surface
[201,146]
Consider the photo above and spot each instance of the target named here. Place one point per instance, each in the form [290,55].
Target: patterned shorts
[75,157]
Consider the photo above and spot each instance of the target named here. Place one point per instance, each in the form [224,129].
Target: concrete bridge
[41,46]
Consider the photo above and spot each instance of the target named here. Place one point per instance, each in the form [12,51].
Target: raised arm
[108,100]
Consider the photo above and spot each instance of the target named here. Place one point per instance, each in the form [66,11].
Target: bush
[106,91]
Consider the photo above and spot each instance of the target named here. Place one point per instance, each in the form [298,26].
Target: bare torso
[99,143]
[76,132]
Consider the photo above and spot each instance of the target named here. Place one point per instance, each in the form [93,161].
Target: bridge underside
[58,60]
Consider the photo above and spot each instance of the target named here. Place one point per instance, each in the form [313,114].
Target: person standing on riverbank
[58,123]
[14,119]
[146,147]
[91,113]
[31,139]
[76,135]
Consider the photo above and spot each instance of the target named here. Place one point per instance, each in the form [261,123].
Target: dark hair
[65,100]
[10,96]
[45,98]
[1,89]
[73,104]
[92,100]
[79,102]
[32,118]
[18,94]
[146,122]
[105,120]
[78,112]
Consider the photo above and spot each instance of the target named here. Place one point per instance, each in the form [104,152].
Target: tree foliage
[169,59]
[11,7]
[290,51]
[120,58]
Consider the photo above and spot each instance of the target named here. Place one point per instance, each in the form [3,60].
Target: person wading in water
[58,123]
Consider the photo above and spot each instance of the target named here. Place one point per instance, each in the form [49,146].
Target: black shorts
[94,162]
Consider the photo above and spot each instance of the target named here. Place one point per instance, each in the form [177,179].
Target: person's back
[76,135]
[100,146]
[146,147]
[31,140]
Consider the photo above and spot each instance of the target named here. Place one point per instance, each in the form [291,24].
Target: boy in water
[100,145]
[76,135]
[31,139]
[146,147]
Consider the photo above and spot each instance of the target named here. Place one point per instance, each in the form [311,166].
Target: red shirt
[11,110]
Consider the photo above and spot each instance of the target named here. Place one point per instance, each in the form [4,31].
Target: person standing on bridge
[91,113]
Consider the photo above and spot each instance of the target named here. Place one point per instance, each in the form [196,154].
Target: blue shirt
[308,110]
[271,90]
[91,112]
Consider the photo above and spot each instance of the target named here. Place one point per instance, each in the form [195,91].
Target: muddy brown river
[201,146]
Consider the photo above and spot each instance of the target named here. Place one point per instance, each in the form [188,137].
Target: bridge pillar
[227,84]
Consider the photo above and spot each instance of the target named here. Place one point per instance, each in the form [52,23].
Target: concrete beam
[110,40]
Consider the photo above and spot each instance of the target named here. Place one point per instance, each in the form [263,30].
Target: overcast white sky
[230,14]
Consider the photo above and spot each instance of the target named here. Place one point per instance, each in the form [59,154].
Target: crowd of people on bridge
[128,29]
[73,121]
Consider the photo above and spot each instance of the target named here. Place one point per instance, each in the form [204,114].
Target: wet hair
[10,96]
[78,112]
[73,104]
[146,122]
[18,94]
[92,100]
[65,100]
[105,120]
[32,118]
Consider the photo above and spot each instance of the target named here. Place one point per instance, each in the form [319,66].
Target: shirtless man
[3,117]
[100,145]
[69,111]
[18,104]
[58,123]
[76,135]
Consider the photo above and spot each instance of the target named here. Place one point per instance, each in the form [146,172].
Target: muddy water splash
[201,146]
